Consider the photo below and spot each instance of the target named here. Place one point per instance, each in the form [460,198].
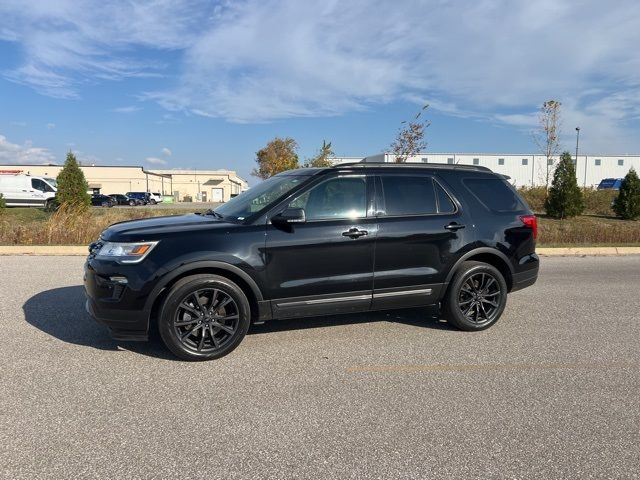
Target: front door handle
[453,226]
[354,233]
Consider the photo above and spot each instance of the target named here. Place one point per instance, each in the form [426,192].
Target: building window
[549,161]
[501,161]
[525,161]
[598,162]
[620,162]
[476,161]
[450,161]
[425,160]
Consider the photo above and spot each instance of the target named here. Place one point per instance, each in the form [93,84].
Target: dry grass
[22,226]
[66,227]
[588,230]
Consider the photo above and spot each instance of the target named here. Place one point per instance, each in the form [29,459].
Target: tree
[627,203]
[565,197]
[322,159]
[72,186]
[3,204]
[279,155]
[547,138]
[410,138]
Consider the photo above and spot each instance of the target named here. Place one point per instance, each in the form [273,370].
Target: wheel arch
[231,272]
[488,255]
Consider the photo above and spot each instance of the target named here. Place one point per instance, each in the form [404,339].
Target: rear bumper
[526,278]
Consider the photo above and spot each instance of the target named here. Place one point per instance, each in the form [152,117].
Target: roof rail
[443,166]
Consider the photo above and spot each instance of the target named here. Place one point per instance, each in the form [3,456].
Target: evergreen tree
[323,158]
[565,197]
[72,186]
[627,203]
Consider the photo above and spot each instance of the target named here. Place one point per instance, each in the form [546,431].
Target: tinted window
[343,197]
[495,194]
[408,195]
[445,204]
[38,184]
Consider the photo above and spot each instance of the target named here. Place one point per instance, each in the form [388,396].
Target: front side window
[336,198]
[38,184]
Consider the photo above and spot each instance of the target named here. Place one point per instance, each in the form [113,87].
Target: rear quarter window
[495,194]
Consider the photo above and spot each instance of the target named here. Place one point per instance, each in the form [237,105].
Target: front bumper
[117,306]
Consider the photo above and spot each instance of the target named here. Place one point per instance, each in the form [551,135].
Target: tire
[132,203]
[223,323]
[476,297]
[152,201]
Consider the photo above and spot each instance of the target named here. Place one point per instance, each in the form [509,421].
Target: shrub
[627,203]
[534,196]
[565,197]
[3,204]
[72,186]
[598,202]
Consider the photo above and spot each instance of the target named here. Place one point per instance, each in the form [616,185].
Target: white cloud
[166,152]
[17,123]
[155,161]
[26,153]
[261,60]
[51,126]
[128,109]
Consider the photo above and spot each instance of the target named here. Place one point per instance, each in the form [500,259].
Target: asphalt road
[551,391]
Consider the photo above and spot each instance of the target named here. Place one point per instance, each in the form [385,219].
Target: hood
[155,228]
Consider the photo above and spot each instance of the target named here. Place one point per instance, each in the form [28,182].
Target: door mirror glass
[290,215]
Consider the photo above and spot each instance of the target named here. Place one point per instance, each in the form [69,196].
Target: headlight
[125,252]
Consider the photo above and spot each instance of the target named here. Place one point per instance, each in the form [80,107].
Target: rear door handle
[453,226]
[354,233]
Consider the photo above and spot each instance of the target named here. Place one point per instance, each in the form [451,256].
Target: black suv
[307,242]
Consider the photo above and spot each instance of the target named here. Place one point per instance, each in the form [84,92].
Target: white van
[27,191]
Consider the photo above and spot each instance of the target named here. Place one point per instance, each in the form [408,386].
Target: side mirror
[290,215]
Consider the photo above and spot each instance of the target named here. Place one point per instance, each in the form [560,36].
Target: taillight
[532,222]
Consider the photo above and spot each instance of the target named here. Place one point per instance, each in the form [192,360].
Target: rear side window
[418,195]
[495,194]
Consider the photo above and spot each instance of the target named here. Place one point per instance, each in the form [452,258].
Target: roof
[387,165]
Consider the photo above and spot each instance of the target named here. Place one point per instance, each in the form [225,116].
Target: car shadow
[60,312]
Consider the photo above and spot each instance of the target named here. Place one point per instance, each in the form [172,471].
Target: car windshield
[259,197]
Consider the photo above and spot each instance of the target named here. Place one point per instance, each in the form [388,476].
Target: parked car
[350,238]
[155,197]
[610,184]
[28,191]
[120,199]
[99,200]
[144,197]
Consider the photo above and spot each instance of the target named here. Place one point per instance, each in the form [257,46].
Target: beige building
[194,185]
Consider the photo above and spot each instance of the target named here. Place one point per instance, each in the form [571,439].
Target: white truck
[27,191]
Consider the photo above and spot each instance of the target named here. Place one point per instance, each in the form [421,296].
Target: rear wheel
[204,317]
[476,297]
[132,203]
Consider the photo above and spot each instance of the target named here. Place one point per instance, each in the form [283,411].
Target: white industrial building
[524,169]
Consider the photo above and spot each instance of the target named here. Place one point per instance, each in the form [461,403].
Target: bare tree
[547,137]
[410,139]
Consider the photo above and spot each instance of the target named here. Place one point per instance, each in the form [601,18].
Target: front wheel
[204,317]
[476,297]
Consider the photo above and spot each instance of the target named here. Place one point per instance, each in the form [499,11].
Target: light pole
[577,142]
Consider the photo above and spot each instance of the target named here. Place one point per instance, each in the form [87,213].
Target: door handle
[453,226]
[354,233]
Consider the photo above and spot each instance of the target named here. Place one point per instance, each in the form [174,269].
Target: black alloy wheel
[479,298]
[476,297]
[204,317]
[206,320]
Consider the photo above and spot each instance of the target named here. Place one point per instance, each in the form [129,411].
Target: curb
[81,250]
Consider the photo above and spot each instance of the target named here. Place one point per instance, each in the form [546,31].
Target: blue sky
[200,84]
